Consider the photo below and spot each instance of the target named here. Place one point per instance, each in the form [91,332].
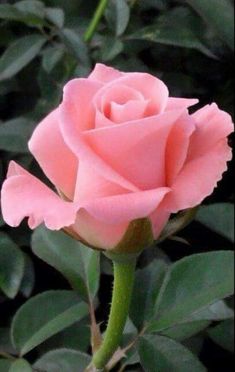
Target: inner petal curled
[131,110]
[120,103]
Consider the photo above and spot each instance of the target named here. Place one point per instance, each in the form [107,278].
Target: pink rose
[118,149]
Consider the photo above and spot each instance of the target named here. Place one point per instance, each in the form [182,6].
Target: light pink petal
[54,156]
[132,110]
[159,219]
[198,178]
[151,88]
[118,93]
[101,120]
[136,149]
[113,102]
[177,146]
[126,207]
[83,151]
[77,99]
[212,124]
[104,74]
[23,195]
[177,103]
[98,233]
[92,185]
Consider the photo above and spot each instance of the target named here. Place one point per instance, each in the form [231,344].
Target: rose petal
[23,195]
[92,185]
[104,74]
[77,99]
[98,233]
[76,142]
[136,149]
[159,219]
[54,156]
[212,124]
[177,103]
[126,207]
[177,146]
[207,158]
[118,93]
[132,110]
[151,88]
[198,178]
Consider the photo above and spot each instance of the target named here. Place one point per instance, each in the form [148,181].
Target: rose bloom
[118,149]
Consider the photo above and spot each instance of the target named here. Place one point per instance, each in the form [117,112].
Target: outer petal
[198,178]
[207,158]
[159,219]
[136,149]
[177,147]
[126,207]
[98,233]
[54,156]
[77,98]
[104,74]
[177,103]
[23,195]
[212,125]
[92,185]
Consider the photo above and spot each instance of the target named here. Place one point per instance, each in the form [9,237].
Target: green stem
[95,20]
[124,273]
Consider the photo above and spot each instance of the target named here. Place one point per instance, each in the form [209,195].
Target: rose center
[120,104]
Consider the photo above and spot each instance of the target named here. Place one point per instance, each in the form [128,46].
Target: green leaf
[75,44]
[19,54]
[219,14]
[174,28]
[11,266]
[5,365]
[51,56]
[161,354]
[51,88]
[223,334]
[147,285]
[217,311]
[111,49]
[9,12]
[199,321]
[31,6]
[118,15]
[63,360]
[56,16]
[15,133]
[20,365]
[218,217]
[5,342]
[76,337]
[43,316]
[30,12]
[80,265]
[191,284]
[27,283]
[183,331]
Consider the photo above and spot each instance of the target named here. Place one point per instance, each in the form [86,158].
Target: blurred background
[187,43]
